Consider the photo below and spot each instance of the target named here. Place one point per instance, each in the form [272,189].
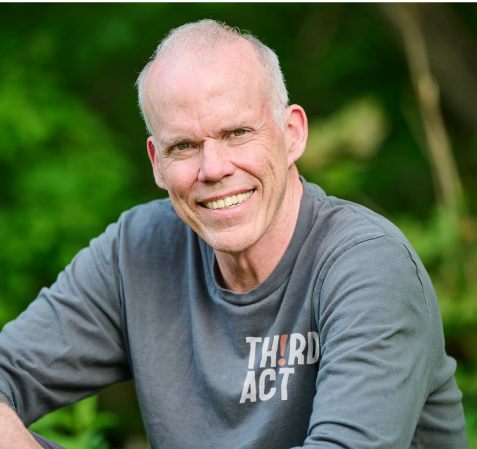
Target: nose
[215,162]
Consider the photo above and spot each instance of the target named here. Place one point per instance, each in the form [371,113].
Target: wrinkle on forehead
[177,73]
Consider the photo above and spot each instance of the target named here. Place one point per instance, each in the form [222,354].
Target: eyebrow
[166,143]
[174,141]
[232,127]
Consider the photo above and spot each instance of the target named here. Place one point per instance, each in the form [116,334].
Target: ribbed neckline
[311,193]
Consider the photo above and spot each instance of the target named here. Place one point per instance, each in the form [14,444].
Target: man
[251,310]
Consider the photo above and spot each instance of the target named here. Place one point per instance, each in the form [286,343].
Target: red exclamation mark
[283,345]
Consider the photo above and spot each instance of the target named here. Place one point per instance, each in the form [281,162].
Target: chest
[206,366]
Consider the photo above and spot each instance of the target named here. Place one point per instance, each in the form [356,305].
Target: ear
[296,132]
[156,165]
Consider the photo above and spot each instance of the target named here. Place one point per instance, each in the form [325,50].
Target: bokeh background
[391,95]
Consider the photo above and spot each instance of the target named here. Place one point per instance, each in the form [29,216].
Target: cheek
[265,159]
[179,176]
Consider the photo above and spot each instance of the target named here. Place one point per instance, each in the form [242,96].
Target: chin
[226,244]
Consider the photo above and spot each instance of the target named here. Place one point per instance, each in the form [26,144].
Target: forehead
[230,81]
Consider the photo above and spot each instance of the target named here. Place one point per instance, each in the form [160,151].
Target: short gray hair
[205,34]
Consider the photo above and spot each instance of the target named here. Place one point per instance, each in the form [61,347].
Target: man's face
[220,153]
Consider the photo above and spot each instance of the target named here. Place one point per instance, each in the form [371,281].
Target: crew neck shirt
[341,346]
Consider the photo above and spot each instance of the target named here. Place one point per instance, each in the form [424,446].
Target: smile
[230,201]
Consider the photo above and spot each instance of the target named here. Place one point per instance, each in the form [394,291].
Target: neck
[241,272]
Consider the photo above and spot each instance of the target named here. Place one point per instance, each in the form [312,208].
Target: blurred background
[390,92]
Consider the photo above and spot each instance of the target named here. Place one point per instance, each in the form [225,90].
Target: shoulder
[338,225]
[148,231]
[367,272]
[354,247]
[152,220]
[155,211]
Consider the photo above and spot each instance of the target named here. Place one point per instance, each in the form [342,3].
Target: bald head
[196,77]
[207,40]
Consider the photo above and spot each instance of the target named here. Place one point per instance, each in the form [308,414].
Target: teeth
[230,201]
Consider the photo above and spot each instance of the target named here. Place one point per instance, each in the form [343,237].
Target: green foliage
[340,146]
[63,178]
[78,426]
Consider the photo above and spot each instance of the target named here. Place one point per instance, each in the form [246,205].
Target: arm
[68,344]
[379,349]
[13,434]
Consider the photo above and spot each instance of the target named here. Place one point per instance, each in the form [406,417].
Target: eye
[181,146]
[238,132]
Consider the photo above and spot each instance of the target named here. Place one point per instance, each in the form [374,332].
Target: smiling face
[217,148]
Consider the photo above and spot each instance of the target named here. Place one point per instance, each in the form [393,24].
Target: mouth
[229,202]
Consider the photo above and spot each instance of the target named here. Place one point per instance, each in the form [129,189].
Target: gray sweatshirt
[340,347]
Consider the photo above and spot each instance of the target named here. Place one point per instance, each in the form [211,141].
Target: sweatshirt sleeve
[378,349]
[68,344]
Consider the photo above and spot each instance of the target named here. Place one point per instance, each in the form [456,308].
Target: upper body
[362,364]
[192,297]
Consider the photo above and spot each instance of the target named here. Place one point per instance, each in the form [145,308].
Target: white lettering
[253,344]
[286,372]
[312,358]
[249,388]
[261,385]
[272,353]
[297,352]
